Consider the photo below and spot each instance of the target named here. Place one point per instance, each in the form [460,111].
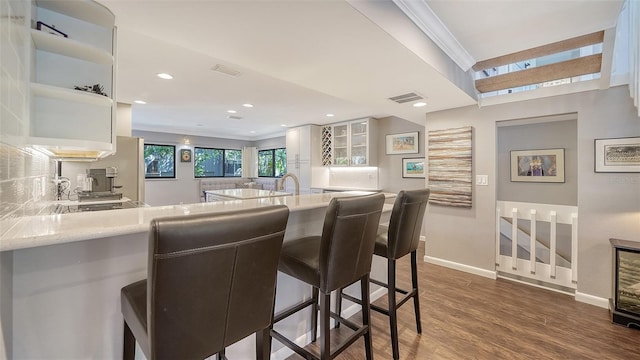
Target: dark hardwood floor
[465,316]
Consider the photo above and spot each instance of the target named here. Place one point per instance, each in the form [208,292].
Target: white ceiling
[299,60]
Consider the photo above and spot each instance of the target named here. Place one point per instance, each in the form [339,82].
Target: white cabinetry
[65,122]
[352,143]
[303,153]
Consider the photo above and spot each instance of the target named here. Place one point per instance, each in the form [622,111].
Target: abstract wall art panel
[450,160]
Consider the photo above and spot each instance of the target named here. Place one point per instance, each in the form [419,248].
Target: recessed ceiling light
[140,102]
[330,115]
[231,111]
[420,104]
[165,76]
[252,132]
[247,105]
[283,125]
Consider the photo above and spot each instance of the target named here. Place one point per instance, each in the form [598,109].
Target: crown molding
[429,23]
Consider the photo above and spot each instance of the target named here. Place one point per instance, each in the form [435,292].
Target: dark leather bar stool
[211,282]
[339,257]
[402,238]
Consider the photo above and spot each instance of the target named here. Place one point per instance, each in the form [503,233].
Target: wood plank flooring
[465,316]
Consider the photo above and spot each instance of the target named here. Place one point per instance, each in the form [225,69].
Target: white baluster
[552,245]
[532,246]
[498,219]
[514,238]
[574,248]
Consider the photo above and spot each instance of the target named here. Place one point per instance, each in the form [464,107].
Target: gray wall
[609,203]
[390,166]
[185,187]
[272,143]
[536,136]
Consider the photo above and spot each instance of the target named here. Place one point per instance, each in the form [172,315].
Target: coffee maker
[100,185]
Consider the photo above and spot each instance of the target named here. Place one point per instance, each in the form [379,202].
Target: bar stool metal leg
[393,309]
[129,346]
[366,316]
[314,314]
[416,295]
[325,336]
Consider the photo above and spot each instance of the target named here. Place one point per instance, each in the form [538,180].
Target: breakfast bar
[62,275]
[241,194]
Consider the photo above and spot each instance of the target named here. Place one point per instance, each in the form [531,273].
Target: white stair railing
[556,271]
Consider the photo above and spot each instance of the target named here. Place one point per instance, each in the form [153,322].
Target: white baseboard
[305,339]
[582,297]
[462,267]
[593,300]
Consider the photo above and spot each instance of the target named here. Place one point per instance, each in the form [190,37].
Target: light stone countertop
[42,230]
[247,193]
[344,188]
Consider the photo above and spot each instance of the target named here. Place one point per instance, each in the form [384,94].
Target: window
[563,62]
[210,162]
[272,162]
[159,161]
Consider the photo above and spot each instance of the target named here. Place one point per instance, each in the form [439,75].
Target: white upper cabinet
[72,91]
[303,144]
[303,153]
[352,143]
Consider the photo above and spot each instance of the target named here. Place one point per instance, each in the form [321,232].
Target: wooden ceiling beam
[581,66]
[553,48]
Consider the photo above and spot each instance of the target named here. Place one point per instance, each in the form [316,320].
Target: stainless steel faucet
[295,181]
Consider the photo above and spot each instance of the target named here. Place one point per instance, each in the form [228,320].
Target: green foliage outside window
[281,162]
[159,161]
[265,163]
[272,162]
[209,162]
[233,163]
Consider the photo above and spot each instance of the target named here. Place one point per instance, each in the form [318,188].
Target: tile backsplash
[25,181]
[354,177]
[25,175]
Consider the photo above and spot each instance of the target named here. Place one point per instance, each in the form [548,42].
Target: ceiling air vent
[225,70]
[234,117]
[405,98]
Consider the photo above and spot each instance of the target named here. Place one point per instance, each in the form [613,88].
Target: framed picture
[406,143]
[617,155]
[538,165]
[185,155]
[413,168]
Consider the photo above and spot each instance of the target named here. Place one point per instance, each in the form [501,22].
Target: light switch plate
[482,180]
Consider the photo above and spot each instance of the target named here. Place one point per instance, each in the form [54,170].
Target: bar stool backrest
[406,222]
[211,279]
[348,239]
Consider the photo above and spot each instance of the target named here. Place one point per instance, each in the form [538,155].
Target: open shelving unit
[66,122]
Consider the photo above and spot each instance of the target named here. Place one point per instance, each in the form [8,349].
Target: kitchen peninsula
[67,271]
[241,194]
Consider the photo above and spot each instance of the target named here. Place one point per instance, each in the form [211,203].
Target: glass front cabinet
[625,301]
[352,143]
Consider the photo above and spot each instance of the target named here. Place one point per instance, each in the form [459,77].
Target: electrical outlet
[482,180]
